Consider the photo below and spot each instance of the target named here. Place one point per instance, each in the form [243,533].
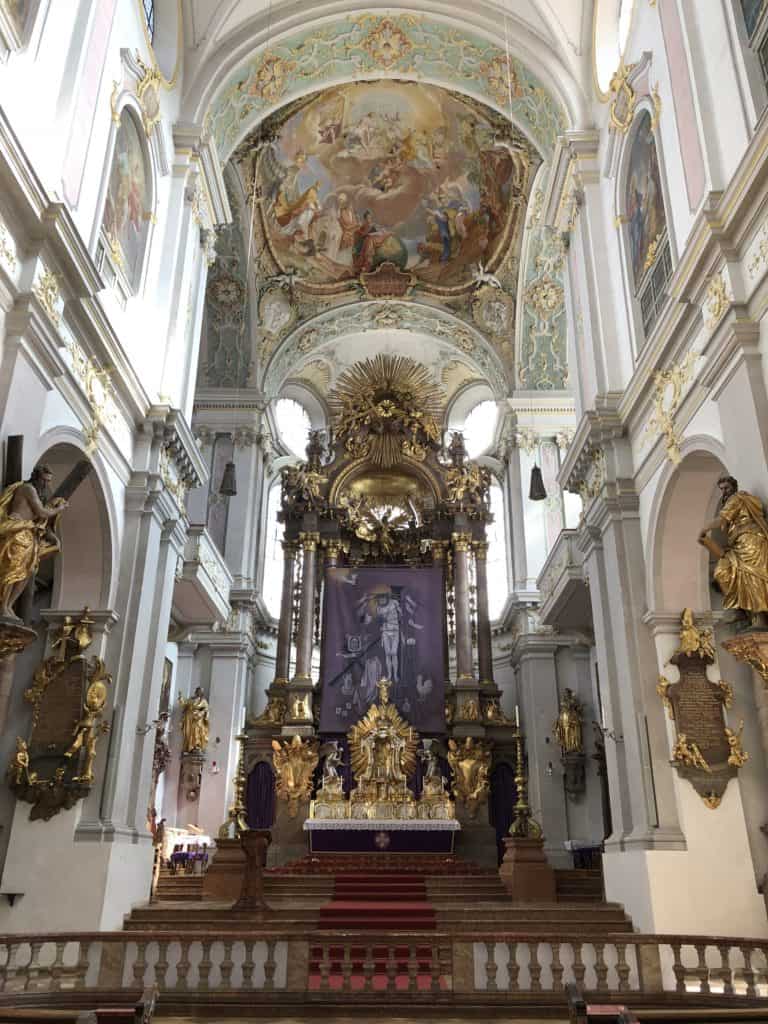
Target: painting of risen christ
[383,623]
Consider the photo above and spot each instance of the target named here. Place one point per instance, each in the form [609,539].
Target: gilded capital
[481,550]
[461,541]
[309,541]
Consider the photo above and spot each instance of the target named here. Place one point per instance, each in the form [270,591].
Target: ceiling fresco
[391,173]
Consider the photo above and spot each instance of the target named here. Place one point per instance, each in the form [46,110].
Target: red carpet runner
[380,902]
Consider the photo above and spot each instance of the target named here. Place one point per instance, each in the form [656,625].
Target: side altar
[382,811]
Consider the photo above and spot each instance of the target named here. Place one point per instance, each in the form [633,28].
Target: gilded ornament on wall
[55,767]
[706,751]
[470,764]
[294,762]
[668,387]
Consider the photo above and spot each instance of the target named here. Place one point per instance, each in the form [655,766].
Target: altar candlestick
[517,716]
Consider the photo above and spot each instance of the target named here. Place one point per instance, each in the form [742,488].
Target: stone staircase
[319,892]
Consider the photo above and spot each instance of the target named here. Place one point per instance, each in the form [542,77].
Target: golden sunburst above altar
[386,408]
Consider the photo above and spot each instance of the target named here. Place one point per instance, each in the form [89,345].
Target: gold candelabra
[237,815]
[524,826]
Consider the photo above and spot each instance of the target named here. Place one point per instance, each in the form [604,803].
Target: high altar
[385,565]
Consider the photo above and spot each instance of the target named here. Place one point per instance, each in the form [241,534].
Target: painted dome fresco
[389,172]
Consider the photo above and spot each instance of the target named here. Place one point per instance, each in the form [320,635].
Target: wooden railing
[426,966]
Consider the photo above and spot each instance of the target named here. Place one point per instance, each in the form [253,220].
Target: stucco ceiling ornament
[623,98]
[148,95]
[361,317]
[717,299]
[46,291]
[386,43]
[493,311]
[276,312]
[411,46]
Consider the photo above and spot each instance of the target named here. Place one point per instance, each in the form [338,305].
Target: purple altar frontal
[383,836]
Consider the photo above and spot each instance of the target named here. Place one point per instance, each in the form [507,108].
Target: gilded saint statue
[567,728]
[88,729]
[194,722]
[741,571]
[26,534]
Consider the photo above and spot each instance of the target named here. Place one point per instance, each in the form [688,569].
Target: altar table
[381,836]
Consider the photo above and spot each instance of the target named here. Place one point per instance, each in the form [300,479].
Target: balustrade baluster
[725,974]
[491,967]
[579,967]
[270,965]
[57,967]
[248,964]
[183,965]
[81,970]
[413,968]
[325,966]
[622,967]
[346,968]
[677,967]
[702,971]
[534,967]
[601,968]
[140,964]
[205,965]
[226,965]
[749,974]
[434,969]
[161,964]
[556,968]
[513,968]
[391,969]
[368,966]
[33,967]
[10,970]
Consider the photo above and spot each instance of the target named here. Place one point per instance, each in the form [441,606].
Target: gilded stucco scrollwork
[668,391]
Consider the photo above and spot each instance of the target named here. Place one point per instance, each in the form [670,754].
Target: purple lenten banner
[383,623]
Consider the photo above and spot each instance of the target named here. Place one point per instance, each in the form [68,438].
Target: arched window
[293,425]
[127,209]
[498,587]
[480,428]
[271,588]
[149,17]
[646,223]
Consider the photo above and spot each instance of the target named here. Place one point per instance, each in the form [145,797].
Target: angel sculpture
[333,761]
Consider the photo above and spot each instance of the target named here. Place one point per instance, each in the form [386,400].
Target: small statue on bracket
[194,722]
[568,729]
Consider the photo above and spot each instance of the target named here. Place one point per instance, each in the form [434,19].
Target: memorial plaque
[61,710]
[698,710]
[706,752]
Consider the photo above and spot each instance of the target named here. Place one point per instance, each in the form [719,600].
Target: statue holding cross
[26,534]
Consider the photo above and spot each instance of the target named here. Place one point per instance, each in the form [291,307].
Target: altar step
[579,884]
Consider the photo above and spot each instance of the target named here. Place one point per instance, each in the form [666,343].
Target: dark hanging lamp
[228,485]
[538,491]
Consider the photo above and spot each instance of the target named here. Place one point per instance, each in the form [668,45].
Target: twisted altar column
[484,648]
[283,653]
[461,546]
[303,674]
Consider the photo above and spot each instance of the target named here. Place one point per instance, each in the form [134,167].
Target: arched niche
[81,574]
[678,566]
